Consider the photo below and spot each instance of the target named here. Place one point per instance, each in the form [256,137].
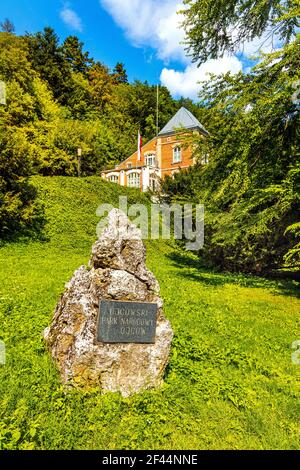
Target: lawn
[230,383]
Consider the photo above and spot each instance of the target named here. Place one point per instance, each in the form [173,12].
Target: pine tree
[74,55]
[47,58]
[119,73]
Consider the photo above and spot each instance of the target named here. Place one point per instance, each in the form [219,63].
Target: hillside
[230,383]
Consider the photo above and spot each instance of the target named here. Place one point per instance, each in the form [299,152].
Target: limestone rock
[117,271]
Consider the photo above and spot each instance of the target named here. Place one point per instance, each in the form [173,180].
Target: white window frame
[176,154]
[148,157]
[152,183]
[133,179]
[113,178]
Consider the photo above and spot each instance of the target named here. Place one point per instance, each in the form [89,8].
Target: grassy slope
[230,382]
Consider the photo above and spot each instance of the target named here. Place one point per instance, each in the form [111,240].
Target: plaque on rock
[126,322]
[113,345]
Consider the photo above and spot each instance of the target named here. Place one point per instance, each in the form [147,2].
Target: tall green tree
[47,58]
[138,103]
[73,53]
[101,84]
[251,185]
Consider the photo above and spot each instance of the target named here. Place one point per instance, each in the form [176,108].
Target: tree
[47,58]
[251,186]
[216,27]
[73,53]
[80,98]
[14,63]
[101,84]
[119,73]
[7,26]
[138,102]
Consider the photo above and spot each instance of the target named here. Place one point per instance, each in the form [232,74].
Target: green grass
[230,383]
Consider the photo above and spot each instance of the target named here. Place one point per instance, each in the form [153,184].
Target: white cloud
[187,84]
[156,24]
[153,23]
[71,18]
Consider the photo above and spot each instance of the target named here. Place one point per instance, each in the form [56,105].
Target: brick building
[163,155]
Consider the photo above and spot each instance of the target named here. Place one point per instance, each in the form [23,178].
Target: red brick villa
[163,155]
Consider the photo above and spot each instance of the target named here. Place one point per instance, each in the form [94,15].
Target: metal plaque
[126,322]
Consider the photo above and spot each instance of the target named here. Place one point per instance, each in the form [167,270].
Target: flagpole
[156,109]
[139,145]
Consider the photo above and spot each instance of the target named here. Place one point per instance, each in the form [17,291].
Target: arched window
[133,180]
[113,178]
[176,154]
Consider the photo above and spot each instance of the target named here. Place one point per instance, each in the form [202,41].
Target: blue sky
[144,34]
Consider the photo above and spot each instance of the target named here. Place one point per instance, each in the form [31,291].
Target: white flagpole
[139,146]
[157,109]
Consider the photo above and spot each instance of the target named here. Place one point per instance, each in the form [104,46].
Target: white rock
[117,272]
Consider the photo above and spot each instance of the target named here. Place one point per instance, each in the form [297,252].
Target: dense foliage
[60,99]
[251,186]
[215,27]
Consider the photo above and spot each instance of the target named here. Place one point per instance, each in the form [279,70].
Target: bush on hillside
[20,212]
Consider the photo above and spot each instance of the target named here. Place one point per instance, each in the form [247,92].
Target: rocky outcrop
[116,271]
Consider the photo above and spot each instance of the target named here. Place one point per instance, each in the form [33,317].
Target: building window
[129,165]
[113,179]
[176,154]
[152,183]
[133,180]
[150,160]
